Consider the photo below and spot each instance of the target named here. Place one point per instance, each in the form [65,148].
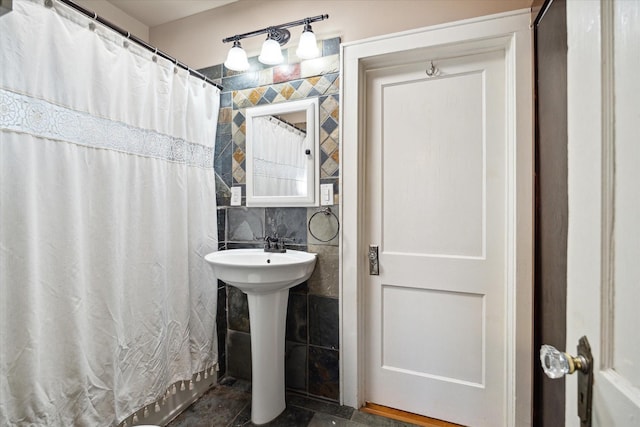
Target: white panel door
[436,205]
[603,268]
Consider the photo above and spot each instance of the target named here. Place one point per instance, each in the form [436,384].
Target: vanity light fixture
[277,36]
[237,58]
[271,53]
[308,46]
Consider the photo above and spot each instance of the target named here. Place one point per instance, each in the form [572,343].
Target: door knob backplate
[557,364]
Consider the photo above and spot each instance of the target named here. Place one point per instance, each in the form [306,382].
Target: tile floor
[229,404]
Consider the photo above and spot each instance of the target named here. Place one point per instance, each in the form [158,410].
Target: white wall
[116,16]
[197,39]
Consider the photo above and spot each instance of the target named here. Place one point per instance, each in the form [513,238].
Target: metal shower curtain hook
[432,71]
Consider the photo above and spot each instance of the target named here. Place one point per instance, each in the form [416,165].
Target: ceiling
[156,12]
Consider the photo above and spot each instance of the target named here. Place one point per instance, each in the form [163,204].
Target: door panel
[459,357]
[604,203]
[436,203]
[626,276]
[437,149]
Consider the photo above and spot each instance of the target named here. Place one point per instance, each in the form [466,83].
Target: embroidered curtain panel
[107,208]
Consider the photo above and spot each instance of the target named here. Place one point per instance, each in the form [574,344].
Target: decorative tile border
[325,87]
[296,79]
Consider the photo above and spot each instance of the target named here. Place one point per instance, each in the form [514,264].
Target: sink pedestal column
[267,316]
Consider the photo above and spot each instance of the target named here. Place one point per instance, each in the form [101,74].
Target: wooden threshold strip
[407,417]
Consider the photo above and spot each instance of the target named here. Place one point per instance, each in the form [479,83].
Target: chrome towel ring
[326,211]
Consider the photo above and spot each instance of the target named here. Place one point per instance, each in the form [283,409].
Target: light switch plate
[326,195]
[236,196]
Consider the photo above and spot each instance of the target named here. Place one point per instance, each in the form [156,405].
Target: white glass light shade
[308,46]
[237,59]
[270,54]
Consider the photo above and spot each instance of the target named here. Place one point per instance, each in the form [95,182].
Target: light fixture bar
[266,30]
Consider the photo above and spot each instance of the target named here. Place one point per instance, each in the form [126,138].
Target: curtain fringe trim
[157,405]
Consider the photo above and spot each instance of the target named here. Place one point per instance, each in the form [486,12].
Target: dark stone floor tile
[236,384]
[318,405]
[325,420]
[292,416]
[229,404]
[217,407]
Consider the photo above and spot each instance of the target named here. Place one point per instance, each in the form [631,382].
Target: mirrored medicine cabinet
[282,154]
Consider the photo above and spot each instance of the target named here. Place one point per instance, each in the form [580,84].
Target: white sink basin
[257,271]
[266,278]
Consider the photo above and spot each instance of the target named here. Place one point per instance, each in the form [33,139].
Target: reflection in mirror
[282,147]
[279,161]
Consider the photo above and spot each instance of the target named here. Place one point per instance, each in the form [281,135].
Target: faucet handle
[283,240]
[273,242]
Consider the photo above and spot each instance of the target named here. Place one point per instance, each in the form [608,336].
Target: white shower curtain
[107,208]
[279,160]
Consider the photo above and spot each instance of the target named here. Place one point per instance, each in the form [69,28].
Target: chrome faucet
[274,244]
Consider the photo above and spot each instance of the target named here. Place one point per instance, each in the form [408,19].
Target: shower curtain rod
[129,36]
[283,122]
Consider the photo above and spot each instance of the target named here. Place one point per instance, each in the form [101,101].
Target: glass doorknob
[557,364]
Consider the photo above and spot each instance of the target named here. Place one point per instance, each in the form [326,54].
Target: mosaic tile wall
[312,335]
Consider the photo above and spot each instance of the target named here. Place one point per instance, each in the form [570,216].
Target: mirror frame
[311,107]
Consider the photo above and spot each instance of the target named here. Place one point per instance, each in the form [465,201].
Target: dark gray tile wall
[221,323]
[312,323]
[323,322]
[297,318]
[324,378]
[238,315]
[239,354]
[289,223]
[312,334]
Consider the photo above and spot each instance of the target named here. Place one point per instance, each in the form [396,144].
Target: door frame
[512,32]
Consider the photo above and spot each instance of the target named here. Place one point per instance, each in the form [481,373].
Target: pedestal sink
[266,278]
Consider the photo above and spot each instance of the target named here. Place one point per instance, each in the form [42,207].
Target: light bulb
[271,53]
[308,46]
[237,58]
